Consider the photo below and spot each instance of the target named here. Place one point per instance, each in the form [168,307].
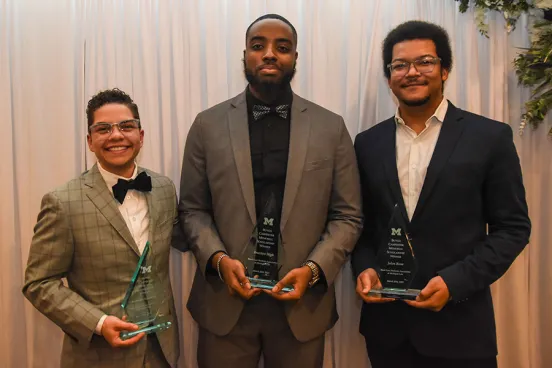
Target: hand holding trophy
[145,301]
[396,263]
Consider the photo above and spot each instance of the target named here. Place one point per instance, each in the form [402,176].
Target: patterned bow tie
[260,111]
[141,183]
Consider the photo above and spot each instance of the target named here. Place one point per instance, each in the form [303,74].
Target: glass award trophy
[264,250]
[396,264]
[144,299]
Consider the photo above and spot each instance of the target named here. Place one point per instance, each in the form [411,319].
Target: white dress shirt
[134,210]
[414,152]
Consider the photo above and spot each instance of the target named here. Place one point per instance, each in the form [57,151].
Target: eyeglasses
[424,65]
[125,126]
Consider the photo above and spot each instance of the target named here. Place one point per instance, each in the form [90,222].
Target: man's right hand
[112,328]
[233,275]
[367,281]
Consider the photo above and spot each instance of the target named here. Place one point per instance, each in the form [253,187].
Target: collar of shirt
[285,99]
[439,114]
[111,179]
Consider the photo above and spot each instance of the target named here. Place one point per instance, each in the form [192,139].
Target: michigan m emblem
[268,221]
[395,232]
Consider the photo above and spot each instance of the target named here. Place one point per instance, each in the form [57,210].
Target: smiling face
[415,88]
[270,56]
[115,151]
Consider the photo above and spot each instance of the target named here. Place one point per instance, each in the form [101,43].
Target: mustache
[268,64]
[414,83]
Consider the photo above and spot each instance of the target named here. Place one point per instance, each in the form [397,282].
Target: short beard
[416,103]
[269,89]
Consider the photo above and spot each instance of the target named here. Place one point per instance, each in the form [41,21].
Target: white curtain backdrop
[178,57]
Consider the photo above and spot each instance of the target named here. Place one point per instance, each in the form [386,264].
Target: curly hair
[417,30]
[110,96]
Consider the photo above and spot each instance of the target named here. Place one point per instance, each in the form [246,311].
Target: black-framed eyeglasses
[125,126]
[424,65]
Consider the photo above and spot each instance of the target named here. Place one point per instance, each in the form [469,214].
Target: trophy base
[125,335]
[403,294]
[266,284]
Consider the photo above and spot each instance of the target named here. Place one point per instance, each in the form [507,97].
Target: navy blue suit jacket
[469,225]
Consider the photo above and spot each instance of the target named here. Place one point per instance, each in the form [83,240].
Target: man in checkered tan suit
[91,231]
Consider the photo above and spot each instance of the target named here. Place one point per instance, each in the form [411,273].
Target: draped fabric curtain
[178,57]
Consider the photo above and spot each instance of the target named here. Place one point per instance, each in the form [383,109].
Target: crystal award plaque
[264,250]
[145,298]
[396,263]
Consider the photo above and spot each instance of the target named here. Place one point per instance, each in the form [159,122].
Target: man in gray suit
[91,231]
[268,145]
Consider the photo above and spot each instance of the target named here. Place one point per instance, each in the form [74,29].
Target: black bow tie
[260,111]
[141,183]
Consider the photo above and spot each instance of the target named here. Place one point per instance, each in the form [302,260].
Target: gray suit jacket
[321,215]
[80,235]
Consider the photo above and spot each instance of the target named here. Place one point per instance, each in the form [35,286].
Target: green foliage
[510,9]
[533,65]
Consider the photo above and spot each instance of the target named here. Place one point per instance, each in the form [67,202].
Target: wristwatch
[315,272]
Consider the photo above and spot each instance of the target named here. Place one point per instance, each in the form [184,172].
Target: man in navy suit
[456,177]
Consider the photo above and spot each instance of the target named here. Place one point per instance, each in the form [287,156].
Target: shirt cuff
[98,330]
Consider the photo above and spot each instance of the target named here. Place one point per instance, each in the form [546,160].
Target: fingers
[365,282]
[117,324]
[429,304]
[292,295]
[236,280]
[242,279]
[243,288]
[239,289]
[288,279]
[112,328]
[133,340]
[364,285]
[435,302]
[297,277]
[433,297]
[427,292]
[375,298]
[125,326]
[359,286]
[256,291]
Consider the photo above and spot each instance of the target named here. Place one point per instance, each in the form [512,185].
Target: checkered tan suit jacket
[80,235]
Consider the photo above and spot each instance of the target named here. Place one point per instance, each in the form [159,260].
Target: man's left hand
[433,297]
[299,278]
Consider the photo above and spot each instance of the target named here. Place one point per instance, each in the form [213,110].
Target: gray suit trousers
[262,329]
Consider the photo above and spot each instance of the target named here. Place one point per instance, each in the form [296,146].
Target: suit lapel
[448,137]
[101,197]
[239,136]
[389,155]
[298,143]
[152,211]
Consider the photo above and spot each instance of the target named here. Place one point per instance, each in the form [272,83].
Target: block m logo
[395,232]
[146,269]
[268,221]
